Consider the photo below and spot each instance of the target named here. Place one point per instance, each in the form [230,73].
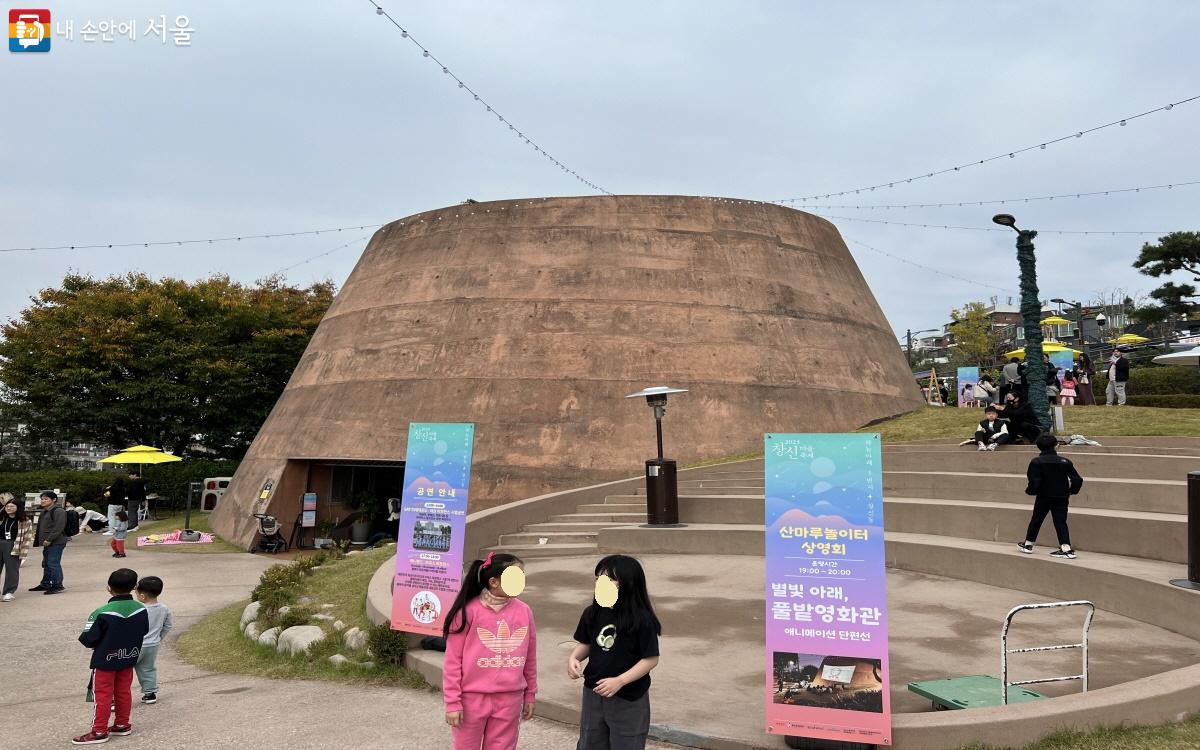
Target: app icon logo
[29,30]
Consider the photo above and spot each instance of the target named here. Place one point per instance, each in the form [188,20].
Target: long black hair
[633,607]
[5,499]
[474,582]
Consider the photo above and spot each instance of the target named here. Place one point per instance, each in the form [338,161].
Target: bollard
[1193,490]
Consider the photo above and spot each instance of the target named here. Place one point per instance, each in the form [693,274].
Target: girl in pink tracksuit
[489,680]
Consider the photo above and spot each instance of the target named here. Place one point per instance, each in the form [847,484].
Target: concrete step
[611,507]
[1145,495]
[1152,536]
[693,539]
[1015,461]
[693,489]
[1164,442]
[750,481]
[566,526]
[545,550]
[524,538]
[611,518]
[711,508]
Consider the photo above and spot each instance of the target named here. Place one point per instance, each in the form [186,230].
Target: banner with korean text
[433,524]
[826,589]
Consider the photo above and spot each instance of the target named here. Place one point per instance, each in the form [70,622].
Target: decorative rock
[250,613]
[299,639]
[339,626]
[367,664]
[326,606]
[305,600]
[251,631]
[284,610]
[323,617]
[338,660]
[269,637]
[355,638]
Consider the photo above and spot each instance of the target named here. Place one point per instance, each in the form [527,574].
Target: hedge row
[1173,401]
[1158,380]
[168,480]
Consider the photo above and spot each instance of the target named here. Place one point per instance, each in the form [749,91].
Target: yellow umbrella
[140,454]
[1055,320]
[1048,348]
[1130,338]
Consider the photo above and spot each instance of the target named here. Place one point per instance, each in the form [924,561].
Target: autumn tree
[129,359]
[974,342]
[1177,251]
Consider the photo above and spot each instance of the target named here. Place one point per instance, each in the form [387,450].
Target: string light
[1010,154]
[1027,199]
[208,240]
[488,107]
[991,229]
[322,255]
[931,269]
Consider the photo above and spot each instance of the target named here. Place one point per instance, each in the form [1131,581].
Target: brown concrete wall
[533,318]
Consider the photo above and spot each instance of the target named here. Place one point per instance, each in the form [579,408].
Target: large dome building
[533,318]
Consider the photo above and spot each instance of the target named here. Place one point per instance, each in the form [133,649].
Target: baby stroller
[270,539]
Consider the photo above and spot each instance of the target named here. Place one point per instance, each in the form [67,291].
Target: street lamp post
[1031,313]
[909,334]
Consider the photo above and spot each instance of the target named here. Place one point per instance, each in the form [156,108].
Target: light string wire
[520,134]
[331,251]
[1026,199]
[1007,154]
[995,229]
[931,269]
[208,240]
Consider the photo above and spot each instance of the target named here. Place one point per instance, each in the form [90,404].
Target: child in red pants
[114,632]
[120,530]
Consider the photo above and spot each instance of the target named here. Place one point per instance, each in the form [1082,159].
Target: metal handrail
[1082,645]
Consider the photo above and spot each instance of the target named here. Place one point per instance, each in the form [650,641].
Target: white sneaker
[981,447]
[108,533]
[6,598]
[992,446]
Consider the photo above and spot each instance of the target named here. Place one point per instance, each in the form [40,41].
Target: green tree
[974,342]
[1177,251]
[129,359]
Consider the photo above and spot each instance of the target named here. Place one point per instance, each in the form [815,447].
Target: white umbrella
[1189,358]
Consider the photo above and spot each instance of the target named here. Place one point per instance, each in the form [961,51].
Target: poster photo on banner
[433,523]
[826,589]
[968,378]
[1064,361]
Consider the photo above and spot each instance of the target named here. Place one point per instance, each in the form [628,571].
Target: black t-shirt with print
[613,654]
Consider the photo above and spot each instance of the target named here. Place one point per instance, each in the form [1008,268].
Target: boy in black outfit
[1052,480]
[992,432]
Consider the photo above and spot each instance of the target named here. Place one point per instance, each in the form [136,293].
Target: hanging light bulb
[425,53]
[1122,123]
[404,33]
[378,11]
[1169,106]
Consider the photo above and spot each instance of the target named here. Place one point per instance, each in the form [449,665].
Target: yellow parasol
[1055,320]
[1130,338]
[1047,348]
[140,454]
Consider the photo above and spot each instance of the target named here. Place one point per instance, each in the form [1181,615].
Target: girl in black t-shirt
[618,636]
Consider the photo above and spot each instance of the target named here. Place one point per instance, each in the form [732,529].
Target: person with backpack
[55,528]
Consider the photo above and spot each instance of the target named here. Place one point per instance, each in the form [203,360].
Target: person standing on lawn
[1118,376]
[116,501]
[16,537]
[135,498]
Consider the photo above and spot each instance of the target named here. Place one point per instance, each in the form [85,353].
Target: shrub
[294,616]
[1153,380]
[277,577]
[271,600]
[387,646]
[1172,401]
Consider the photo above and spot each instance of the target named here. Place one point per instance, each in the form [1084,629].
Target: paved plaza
[45,673]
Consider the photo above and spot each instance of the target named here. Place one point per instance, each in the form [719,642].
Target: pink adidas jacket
[496,653]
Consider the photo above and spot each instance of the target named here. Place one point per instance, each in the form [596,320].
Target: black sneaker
[39,587]
[55,590]
[1025,547]
[150,698]
[1067,554]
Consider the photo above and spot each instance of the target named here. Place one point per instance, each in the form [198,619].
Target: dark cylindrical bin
[1193,490]
[662,493]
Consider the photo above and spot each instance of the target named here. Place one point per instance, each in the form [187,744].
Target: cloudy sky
[302,115]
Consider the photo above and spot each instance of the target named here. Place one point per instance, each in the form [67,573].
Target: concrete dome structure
[532,318]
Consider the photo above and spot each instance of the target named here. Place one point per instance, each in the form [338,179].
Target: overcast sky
[302,115]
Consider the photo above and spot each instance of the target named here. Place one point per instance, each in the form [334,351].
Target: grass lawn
[216,644]
[166,525]
[1171,737]
[951,422]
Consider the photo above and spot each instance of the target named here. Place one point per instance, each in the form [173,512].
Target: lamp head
[1059,300]
[1006,220]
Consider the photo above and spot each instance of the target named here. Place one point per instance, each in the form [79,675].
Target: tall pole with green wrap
[1031,315]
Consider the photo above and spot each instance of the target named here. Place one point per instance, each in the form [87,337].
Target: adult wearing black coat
[1022,422]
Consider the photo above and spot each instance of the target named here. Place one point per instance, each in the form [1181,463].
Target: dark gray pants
[11,567]
[613,723]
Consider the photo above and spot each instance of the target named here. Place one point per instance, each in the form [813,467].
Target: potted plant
[369,509]
[325,532]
